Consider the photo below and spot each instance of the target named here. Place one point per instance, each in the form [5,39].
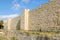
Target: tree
[1,22]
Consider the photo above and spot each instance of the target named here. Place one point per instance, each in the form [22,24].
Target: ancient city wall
[5,25]
[22,20]
[15,23]
[45,17]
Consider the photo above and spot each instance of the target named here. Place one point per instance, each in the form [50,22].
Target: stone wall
[22,20]
[5,25]
[23,36]
[45,17]
[15,23]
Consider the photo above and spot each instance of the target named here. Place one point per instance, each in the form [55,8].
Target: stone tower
[24,19]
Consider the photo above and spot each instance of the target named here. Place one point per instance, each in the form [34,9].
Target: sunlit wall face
[26,19]
[9,23]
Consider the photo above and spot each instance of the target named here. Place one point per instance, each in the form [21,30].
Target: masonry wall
[5,26]
[22,20]
[45,17]
[15,23]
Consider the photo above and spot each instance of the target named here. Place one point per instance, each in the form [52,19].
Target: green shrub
[13,38]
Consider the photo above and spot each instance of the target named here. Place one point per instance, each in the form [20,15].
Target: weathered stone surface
[23,36]
[15,23]
[6,26]
[22,20]
[45,17]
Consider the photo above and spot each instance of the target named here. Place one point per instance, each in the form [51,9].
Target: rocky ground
[31,36]
[16,35]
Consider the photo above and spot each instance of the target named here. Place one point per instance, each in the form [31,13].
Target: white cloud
[26,1]
[15,7]
[7,16]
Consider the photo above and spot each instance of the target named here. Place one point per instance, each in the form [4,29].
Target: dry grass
[2,37]
[49,34]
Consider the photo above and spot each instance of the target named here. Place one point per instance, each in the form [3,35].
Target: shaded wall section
[15,23]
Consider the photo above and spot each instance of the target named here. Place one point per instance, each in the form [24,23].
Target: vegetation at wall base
[13,38]
[49,34]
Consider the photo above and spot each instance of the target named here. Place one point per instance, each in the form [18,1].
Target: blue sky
[14,7]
